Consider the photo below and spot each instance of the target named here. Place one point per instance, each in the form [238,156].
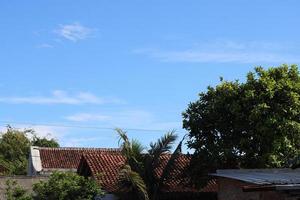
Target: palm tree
[138,174]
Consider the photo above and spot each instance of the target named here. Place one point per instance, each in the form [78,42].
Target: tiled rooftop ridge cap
[78,148]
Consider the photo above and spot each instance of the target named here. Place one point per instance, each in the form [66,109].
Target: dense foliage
[251,124]
[15,192]
[14,149]
[138,174]
[66,186]
[43,142]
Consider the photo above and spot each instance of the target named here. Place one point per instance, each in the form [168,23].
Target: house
[104,164]
[105,168]
[258,184]
[45,160]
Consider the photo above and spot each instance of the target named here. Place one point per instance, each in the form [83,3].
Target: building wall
[230,189]
[34,161]
[107,197]
[25,182]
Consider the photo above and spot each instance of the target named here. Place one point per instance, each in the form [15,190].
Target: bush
[66,186]
[16,192]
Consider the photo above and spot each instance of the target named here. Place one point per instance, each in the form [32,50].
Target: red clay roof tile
[104,165]
[67,157]
[105,169]
[211,186]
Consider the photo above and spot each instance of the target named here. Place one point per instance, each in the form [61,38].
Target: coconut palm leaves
[139,172]
[132,150]
[163,145]
[133,182]
[167,169]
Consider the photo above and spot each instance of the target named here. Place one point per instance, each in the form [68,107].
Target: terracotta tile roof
[211,186]
[178,180]
[67,157]
[105,169]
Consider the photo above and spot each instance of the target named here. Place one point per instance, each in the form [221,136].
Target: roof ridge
[84,154]
[78,148]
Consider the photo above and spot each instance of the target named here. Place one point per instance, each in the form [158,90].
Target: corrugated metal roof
[262,176]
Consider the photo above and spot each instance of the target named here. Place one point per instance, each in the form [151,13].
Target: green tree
[15,146]
[254,124]
[14,150]
[43,141]
[66,186]
[138,174]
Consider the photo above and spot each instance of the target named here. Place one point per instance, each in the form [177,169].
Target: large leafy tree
[249,124]
[14,151]
[15,146]
[66,186]
[138,175]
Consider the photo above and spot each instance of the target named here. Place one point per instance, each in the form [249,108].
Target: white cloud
[131,119]
[74,32]
[226,52]
[49,131]
[82,117]
[66,136]
[3,129]
[41,130]
[60,97]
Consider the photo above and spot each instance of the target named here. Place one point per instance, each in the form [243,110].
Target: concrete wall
[230,189]
[34,161]
[25,182]
[107,197]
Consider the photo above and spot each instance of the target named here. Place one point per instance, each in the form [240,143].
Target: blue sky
[131,64]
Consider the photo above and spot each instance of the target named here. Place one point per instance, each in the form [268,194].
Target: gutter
[254,188]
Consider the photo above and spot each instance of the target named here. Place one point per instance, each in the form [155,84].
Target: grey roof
[262,176]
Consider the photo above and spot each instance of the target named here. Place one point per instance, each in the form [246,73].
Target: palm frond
[132,150]
[131,180]
[122,136]
[169,166]
[137,148]
[124,142]
[171,161]
[163,145]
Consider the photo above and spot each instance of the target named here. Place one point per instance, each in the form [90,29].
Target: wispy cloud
[66,136]
[49,132]
[41,131]
[85,141]
[45,46]
[74,32]
[226,52]
[60,97]
[82,117]
[133,119]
